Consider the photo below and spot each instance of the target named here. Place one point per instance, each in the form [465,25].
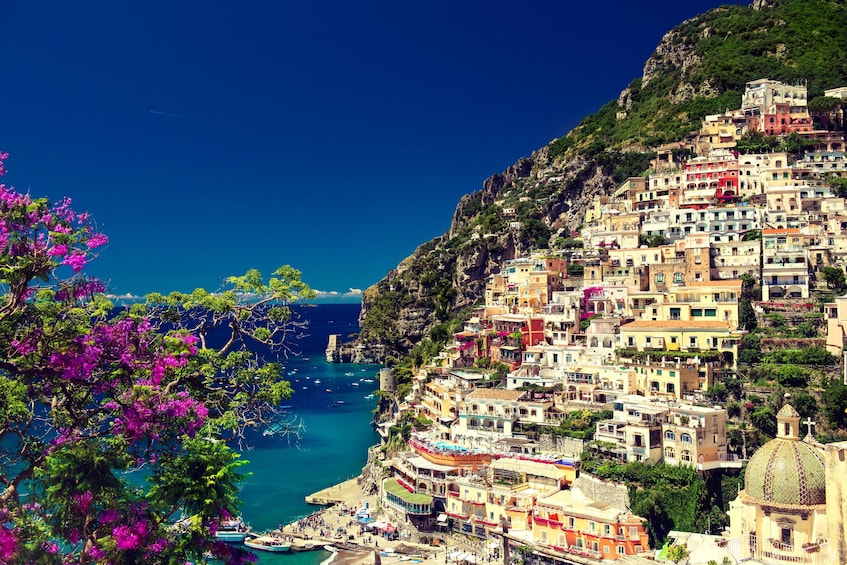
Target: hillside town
[631,329]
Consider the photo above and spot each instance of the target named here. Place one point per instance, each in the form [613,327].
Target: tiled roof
[775,231]
[495,394]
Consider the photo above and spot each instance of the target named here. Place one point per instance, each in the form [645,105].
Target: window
[686,455]
[571,522]
[669,453]
[670,388]
[677,277]
[621,550]
[785,535]
[660,277]
[607,529]
[685,437]
[669,435]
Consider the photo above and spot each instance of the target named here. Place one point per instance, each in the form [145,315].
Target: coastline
[335,526]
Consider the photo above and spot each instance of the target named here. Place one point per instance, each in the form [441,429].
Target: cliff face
[700,67]
[448,275]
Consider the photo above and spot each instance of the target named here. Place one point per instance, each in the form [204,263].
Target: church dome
[786,470]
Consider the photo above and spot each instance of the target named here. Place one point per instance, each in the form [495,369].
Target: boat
[349,374]
[232,531]
[329,390]
[317,381]
[369,396]
[355,384]
[267,542]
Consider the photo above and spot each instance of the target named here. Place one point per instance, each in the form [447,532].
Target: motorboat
[267,542]
[233,530]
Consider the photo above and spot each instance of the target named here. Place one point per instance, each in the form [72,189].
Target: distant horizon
[210,138]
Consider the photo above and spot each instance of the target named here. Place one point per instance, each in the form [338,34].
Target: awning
[442,518]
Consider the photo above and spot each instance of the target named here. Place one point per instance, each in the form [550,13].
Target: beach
[336,527]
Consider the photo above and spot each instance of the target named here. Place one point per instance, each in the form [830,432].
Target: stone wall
[601,491]
[565,445]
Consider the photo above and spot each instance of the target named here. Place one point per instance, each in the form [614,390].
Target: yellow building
[681,335]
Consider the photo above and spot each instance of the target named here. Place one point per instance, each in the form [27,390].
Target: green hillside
[712,56]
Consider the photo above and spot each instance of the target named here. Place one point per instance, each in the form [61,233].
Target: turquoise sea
[337,432]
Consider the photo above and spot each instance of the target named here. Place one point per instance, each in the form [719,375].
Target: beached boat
[266,542]
[232,531]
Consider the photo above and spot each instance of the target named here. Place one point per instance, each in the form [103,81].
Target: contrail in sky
[158,113]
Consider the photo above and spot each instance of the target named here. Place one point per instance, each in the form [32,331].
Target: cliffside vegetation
[699,68]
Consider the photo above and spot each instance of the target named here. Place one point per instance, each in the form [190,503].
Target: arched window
[669,435]
[669,453]
[686,455]
[685,438]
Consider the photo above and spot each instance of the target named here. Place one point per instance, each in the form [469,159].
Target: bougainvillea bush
[116,433]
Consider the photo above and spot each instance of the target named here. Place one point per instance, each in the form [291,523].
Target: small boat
[369,396]
[317,381]
[355,384]
[232,531]
[329,390]
[267,542]
[368,381]
[349,374]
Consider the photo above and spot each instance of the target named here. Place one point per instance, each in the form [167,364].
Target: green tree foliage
[764,418]
[755,142]
[677,553]
[747,315]
[824,104]
[622,166]
[808,356]
[838,185]
[537,232]
[835,403]
[834,277]
[90,395]
[790,375]
[668,497]
[751,349]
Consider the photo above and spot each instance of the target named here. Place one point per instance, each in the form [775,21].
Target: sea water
[336,416]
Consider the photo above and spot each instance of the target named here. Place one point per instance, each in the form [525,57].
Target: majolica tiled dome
[786,470]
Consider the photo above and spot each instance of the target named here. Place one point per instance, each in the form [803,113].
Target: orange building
[565,524]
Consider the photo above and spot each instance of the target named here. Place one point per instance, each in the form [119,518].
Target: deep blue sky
[207,138]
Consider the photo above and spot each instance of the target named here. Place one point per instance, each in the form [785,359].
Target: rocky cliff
[700,67]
